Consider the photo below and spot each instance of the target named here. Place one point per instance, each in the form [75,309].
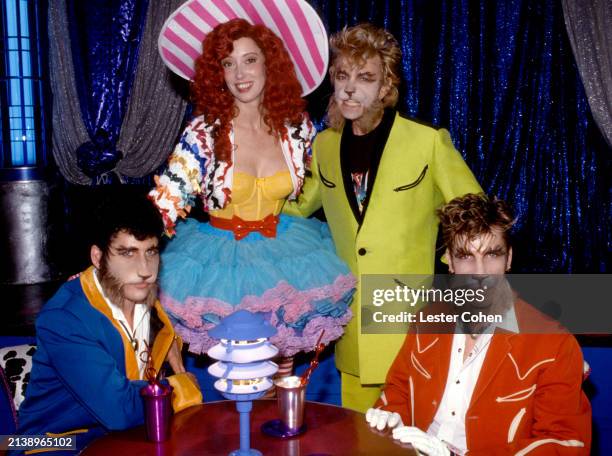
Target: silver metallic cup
[290,397]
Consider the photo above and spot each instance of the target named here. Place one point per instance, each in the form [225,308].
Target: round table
[212,429]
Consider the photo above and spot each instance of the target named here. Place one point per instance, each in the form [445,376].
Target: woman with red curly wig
[244,156]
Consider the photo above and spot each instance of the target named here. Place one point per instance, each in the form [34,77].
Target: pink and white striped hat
[295,21]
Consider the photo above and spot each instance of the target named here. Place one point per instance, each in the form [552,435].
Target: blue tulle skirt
[295,279]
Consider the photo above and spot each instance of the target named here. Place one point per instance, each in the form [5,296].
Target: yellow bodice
[254,198]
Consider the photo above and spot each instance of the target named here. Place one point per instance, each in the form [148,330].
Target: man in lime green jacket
[379,178]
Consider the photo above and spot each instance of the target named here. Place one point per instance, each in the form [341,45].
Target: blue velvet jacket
[84,378]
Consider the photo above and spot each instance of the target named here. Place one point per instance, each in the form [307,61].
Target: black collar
[382,134]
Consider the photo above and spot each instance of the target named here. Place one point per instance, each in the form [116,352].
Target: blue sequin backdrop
[500,75]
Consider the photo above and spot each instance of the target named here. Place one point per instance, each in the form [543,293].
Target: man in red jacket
[513,387]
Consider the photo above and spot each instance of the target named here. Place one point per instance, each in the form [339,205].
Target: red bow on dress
[241,228]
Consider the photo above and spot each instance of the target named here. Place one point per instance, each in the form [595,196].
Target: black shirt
[361,155]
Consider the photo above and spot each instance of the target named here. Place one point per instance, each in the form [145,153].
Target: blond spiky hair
[364,41]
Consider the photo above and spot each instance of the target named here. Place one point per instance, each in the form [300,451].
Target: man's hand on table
[381,419]
[422,442]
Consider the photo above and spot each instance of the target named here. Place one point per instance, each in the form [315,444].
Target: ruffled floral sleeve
[309,133]
[177,187]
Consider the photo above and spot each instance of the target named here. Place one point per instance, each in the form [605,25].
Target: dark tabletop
[212,429]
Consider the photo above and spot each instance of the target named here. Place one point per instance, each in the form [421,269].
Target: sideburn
[371,117]
[113,288]
[334,120]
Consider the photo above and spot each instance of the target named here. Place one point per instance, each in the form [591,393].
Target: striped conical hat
[294,21]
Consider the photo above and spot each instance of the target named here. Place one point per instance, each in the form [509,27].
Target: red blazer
[528,398]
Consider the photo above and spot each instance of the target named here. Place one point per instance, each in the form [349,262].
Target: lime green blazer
[419,170]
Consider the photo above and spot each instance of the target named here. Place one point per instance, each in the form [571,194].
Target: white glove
[422,442]
[381,419]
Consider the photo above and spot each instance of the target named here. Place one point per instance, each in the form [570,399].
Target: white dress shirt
[449,422]
[139,334]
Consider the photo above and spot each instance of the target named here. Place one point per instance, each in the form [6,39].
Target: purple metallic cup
[158,410]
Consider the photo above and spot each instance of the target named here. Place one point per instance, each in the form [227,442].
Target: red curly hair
[282,97]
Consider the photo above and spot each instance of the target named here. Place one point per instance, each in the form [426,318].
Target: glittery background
[501,76]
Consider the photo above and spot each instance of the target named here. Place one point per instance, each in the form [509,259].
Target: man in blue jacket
[94,334]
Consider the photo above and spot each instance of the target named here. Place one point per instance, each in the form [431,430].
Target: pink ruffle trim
[294,302]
